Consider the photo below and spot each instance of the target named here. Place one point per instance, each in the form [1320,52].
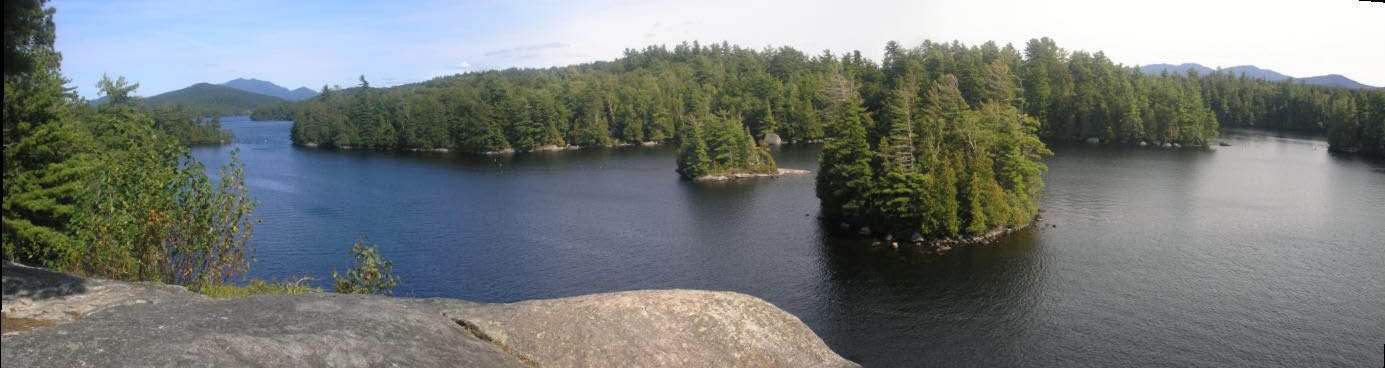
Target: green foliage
[258,287]
[188,127]
[1080,95]
[652,94]
[845,175]
[117,91]
[720,146]
[940,168]
[370,273]
[281,111]
[107,191]
[29,35]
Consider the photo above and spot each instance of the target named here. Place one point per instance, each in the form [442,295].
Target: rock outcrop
[90,322]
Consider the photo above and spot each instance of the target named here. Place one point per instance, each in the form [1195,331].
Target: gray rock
[41,295]
[773,139]
[174,327]
[1093,140]
[315,330]
[651,328]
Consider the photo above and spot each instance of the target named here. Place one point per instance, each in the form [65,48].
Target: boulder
[650,328]
[773,139]
[1093,140]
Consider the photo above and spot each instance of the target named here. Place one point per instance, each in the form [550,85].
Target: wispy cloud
[526,50]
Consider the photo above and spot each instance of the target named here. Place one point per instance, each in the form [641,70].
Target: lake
[1270,252]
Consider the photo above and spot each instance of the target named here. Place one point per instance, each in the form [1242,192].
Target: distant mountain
[1335,80]
[1179,69]
[213,98]
[270,89]
[302,93]
[1331,80]
[1254,72]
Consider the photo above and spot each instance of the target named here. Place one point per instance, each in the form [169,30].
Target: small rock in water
[865,230]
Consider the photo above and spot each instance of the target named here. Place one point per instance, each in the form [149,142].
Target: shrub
[371,273]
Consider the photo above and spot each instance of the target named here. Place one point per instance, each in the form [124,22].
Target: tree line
[653,93]
[1353,120]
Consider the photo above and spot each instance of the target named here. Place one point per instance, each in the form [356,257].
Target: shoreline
[741,175]
[943,245]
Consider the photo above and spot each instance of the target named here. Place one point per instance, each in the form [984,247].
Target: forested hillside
[213,100]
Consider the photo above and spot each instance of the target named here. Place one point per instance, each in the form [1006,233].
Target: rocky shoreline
[750,175]
[943,245]
[53,319]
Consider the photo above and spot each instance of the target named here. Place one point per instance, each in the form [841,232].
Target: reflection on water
[1266,252]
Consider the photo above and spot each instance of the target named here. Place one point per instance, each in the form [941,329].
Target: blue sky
[166,45]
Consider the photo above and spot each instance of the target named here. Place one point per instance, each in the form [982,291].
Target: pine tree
[692,151]
[845,176]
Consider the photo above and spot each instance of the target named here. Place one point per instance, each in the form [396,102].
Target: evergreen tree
[845,175]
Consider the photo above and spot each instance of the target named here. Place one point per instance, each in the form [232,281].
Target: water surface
[1270,252]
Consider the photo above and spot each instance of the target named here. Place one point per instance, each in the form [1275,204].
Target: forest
[652,93]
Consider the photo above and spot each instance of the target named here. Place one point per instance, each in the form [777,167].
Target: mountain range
[270,89]
[1331,80]
[236,97]
[214,98]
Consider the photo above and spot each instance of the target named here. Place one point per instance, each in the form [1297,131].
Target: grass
[258,287]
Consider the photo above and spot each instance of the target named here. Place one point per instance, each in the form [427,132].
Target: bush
[371,273]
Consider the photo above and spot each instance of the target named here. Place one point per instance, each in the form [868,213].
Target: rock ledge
[92,322]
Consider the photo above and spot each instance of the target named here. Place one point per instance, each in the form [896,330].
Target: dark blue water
[1270,252]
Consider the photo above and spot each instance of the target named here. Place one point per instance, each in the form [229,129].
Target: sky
[169,44]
